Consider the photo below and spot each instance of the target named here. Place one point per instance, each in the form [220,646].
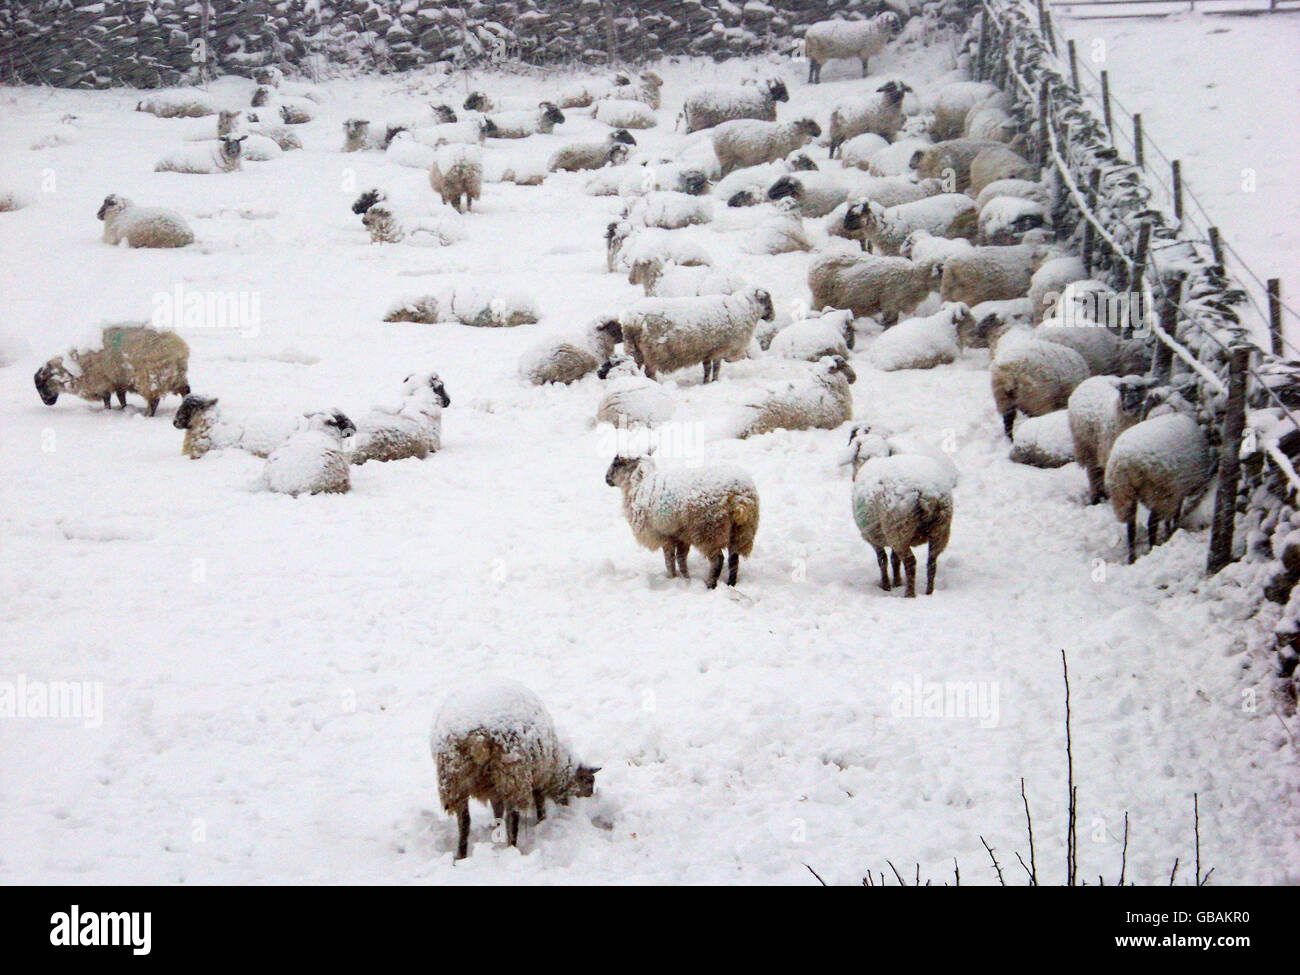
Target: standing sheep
[828,40]
[1033,376]
[708,508]
[879,114]
[666,334]
[749,142]
[128,359]
[818,398]
[995,163]
[312,460]
[142,226]
[990,273]
[1100,409]
[457,174]
[706,107]
[879,286]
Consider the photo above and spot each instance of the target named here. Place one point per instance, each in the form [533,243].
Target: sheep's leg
[512,827]
[882,559]
[715,570]
[889,320]
[108,401]
[682,551]
[931,567]
[539,801]
[909,563]
[1153,530]
[1008,421]
[670,550]
[1132,539]
[898,578]
[121,398]
[864,66]
[462,827]
[498,809]
[733,567]
[706,371]
[153,406]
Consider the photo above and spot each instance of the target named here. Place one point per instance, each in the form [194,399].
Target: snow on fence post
[1137,274]
[1225,498]
[1275,315]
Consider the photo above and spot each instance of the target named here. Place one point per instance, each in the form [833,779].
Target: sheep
[496,743]
[1007,219]
[923,247]
[749,142]
[630,399]
[857,151]
[612,151]
[1105,352]
[818,398]
[626,244]
[128,358]
[204,158]
[411,427]
[880,113]
[142,226]
[472,306]
[816,194]
[281,135]
[647,88]
[480,101]
[770,229]
[662,174]
[950,161]
[814,337]
[992,319]
[467,130]
[390,223]
[860,40]
[582,94]
[1099,410]
[668,210]
[888,191]
[748,186]
[207,428]
[1033,376]
[178,104]
[706,107]
[625,114]
[922,343]
[1049,280]
[313,459]
[880,286]
[954,103]
[358,135]
[457,174]
[995,163]
[901,500]
[1161,463]
[990,273]
[569,359]
[1043,441]
[708,508]
[886,229]
[1023,189]
[666,334]
[520,125]
[990,122]
[661,278]
[292,110]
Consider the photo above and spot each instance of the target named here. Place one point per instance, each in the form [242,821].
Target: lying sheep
[457,175]
[312,460]
[888,191]
[748,187]
[885,230]
[625,113]
[360,134]
[922,343]
[923,247]
[410,427]
[901,501]
[647,88]
[857,151]
[583,94]
[880,113]
[1100,409]
[569,359]
[178,104]
[204,158]
[127,359]
[497,744]
[389,222]
[1008,219]
[207,428]
[708,508]
[1161,463]
[292,110]
[896,158]
[706,107]
[816,193]
[666,334]
[993,319]
[749,142]
[1034,377]
[860,40]
[281,135]
[467,130]
[954,103]
[667,210]
[480,101]
[771,229]
[660,278]
[1043,441]
[625,245]
[996,163]
[612,151]
[468,305]
[666,175]
[520,125]
[991,273]
[142,226]
[815,337]
[818,398]
[879,286]
[630,399]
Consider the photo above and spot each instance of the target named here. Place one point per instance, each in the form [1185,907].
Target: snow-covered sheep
[860,40]
[951,161]
[674,510]
[178,104]
[741,143]
[481,101]
[990,122]
[1043,441]
[142,226]
[770,229]
[583,94]
[649,174]
[666,334]
[520,125]
[457,175]
[411,426]
[390,222]
[204,158]
[313,459]
[630,399]
[1099,410]
[817,398]
[1160,463]
[625,113]
[659,278]
[880,113]
[668,210]
[207,428]
[901,501]
[467,130]
[282,135]
[896,158]
[647,88]
[815,193]
[571,358]
[1024,189]
[291,109]
[879,286]
[360,134]
[857,152]
[886,229]
[992,319]
[1034,377]
[713,105]
[469,305]
[124,359]
[1047,283]
[990,273]
[995,163]
[953,103]
[1105,351]
[1007,219]
[922,343]
[626,244]
[576,156]
[814,337]
[496,743]
[923,247]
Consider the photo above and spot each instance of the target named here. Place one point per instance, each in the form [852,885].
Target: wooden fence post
[1225,499]
[1162,365]
[1049,31]
[1216,246]
[1074,65]
[982,56]
[1177,168]
[1105,104]
[1137,297]
[1138,159]
[1089,234]
[1044,120]
[1275,315]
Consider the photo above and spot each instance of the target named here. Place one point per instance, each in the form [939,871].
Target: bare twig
[996,866]
[1196,829]
[816,874]
[1123,857]
[901,881]
[956,872]
[1072,837]
[1174,872]
[1029,825]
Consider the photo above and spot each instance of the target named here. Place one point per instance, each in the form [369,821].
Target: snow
[269,665]
[503,707]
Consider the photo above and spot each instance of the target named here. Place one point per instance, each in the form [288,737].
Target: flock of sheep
[918,195]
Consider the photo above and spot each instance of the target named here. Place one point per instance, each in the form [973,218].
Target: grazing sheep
[996,163]
[625,113]
[520,125]
[457,175]
[204,158]
[625,245]
[127,359]
[749,142]
[990,273]
[706,107]
[954,103]
[900,502]
[860,40]
[815,337]
[410,427]
[666,334]
[178,104]
[1099,410]
[886,230]
[922,343]
[879,286]
[496,743]
[1160,463]
[880,113]
[312,460]
[569,359]
[668,210]
[612,151]
[630,399]
[1007,219]
[660,278]
[1033,376]
[208,428]
[818,398]
[1043,441]
[142,226]
[708,508]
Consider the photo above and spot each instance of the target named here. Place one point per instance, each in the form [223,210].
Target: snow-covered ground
[1221,94]
[270,667]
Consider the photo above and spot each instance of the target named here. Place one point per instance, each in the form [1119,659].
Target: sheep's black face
[619,470]
[802,163]
[490,128]
[476,102]
[46,384]
[694,182]
[776,88]
[552,114]
[261,96]
[111,202]
[340,422]
[810,126]
[190,408]
[584,781]
[444,113]
[840,365]
[609,365]
[854,217]
[613,329]
[617,154]
[623,136]
[766,311]
[786,186]
[366,200]
[611,231]
[233,148]
[744,198]
[439,390]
